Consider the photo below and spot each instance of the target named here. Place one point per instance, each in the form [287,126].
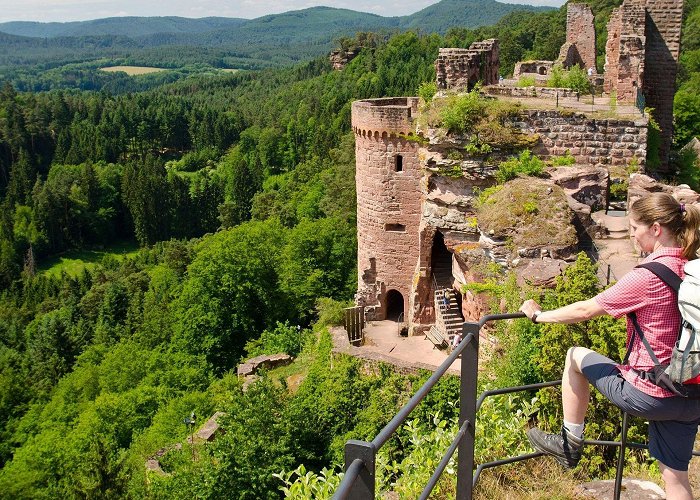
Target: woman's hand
[530,307]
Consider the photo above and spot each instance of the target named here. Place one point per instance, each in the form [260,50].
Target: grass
[133,70]
[74,261]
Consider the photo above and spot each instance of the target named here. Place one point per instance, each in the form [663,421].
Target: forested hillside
[239,190]
[194,45]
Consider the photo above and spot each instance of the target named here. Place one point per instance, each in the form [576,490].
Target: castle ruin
[416,227]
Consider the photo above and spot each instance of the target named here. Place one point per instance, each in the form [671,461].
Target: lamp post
[189,422]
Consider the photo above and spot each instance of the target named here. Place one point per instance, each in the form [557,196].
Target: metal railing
[359,482]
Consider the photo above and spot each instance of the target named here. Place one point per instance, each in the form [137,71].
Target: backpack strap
[657,375]
[665,274]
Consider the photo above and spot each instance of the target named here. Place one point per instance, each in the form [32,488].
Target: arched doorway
[441,262]
[394,305]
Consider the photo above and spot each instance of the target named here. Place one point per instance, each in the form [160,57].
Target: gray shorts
[673,422]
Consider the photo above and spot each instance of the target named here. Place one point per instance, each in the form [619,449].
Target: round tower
[388,177]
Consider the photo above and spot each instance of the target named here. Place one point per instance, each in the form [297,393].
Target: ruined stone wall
[625,51]
[463,68]
[548,92]
[580,32]
[663,34]
[388,200]
[642,55]
[590,141]
[538,68]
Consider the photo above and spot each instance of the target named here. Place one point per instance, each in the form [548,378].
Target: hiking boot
[564,447]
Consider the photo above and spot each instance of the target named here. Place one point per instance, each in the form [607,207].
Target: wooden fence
[355,324]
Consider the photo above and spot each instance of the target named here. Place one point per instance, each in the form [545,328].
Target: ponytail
[682,220]
[690,239]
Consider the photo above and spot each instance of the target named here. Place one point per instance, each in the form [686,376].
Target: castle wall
[463,68]
[625,51]
[580,32]
[663,33]
[590,141]
[388,200]
[642,55]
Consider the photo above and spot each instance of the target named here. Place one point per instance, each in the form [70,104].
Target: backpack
[682,374]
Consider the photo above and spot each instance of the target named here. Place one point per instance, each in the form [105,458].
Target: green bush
[526,163]
[285,338]
[574,78]
[526,81]
[427,91]
[462,112]
[688,168]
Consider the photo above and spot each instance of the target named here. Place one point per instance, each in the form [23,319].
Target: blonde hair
[683,221]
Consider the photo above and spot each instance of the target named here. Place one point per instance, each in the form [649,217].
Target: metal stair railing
[359,482]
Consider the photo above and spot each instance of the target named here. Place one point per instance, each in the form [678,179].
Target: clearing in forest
[133,70]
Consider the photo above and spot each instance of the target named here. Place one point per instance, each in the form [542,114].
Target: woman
[670,233]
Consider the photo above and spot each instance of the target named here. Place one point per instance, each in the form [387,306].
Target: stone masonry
[590,141]
[388,201]
[642,55]
[580,36]
[463,68]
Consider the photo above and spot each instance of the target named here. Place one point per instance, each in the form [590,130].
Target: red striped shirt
[656,307]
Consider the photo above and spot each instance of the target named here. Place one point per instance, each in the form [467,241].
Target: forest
[239,192]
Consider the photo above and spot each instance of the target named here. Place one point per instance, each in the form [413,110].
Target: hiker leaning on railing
[669,232]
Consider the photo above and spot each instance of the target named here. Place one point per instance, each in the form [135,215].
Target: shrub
[427,91]
[463,111]
[556,77]
[526,81]
[564,160]
[284,338]
[526,163]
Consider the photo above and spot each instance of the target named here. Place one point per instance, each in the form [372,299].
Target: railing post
[364,486]
[467,410]
[621,456]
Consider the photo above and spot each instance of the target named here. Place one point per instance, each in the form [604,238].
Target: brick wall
[580,32]
[388,201]
[663,34]
[463,68]
[626,51]
[642,54]
[590,141]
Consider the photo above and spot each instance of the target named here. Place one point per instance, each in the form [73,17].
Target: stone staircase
[616,251]
[448,320]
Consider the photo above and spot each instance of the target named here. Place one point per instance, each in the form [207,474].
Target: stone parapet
[391,116]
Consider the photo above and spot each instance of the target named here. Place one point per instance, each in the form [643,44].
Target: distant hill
[126,26]
[437,17]
[446,14]
[271,40]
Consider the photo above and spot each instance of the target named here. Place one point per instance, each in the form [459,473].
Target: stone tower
[388,177]
[642,59]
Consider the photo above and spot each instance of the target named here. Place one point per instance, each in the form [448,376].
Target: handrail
[359,481]
[385,434]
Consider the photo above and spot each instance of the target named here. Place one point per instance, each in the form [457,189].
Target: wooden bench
[436,337]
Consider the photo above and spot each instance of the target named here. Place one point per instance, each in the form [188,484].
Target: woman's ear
[656,228]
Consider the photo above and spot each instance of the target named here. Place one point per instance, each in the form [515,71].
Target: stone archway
[394,305]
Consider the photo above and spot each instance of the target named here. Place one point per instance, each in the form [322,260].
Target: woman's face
[645,236]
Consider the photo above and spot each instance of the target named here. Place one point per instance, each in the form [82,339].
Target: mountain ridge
[437,17]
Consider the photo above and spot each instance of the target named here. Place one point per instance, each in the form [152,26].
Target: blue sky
[82,10]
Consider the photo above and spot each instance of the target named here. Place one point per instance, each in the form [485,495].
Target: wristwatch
[534,316]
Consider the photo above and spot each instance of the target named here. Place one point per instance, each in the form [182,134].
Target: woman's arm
[573,313]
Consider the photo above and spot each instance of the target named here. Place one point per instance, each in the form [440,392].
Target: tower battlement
[385,117]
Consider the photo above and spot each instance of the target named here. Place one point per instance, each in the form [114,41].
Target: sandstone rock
[211,428]
[585,184]
[641,185]
[249,367]
[541,272]
[631,488]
